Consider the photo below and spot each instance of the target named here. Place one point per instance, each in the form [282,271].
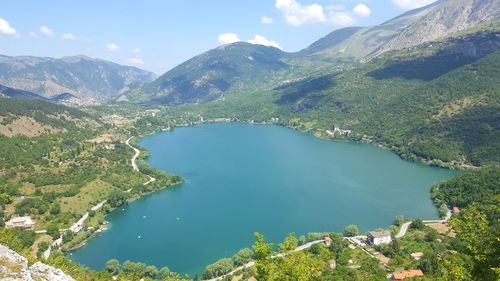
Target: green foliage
[262,252]
[351,230]
[399,220]
[53,231]
[480,241]
[479,186]
[117,199]
[218,268]
[290,243]
[417,224]
[242,257]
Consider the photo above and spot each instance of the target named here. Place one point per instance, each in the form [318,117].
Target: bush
[417,224]
[242,257]
[351,230]
[219,268]
[399,220]
[53,231]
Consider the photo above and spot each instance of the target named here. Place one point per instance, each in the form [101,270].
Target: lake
[242,178]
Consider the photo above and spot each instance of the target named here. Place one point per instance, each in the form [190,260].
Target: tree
[151,271]
[42,247]
[480,241]
[55,209]
[68,236]
[351,230]
[262,252]
[454,269]
[417,224]
[113,266]
[242,257]
[53,231]
[399,220]
[289,244]
[134,269]
[164,273]
[117,199]
[219,268]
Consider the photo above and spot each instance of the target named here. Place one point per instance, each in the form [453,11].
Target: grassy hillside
[58,174]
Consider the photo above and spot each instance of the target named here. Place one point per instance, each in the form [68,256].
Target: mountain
[210,75]
[37,117]
[429,23]
[81,76]
[242,68]
[19,94]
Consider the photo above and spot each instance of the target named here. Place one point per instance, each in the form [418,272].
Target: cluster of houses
[380,238]
[337,131]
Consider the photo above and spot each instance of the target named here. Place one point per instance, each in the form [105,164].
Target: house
[379,237]
[328,241]
[417,256]
[110,146]
[401,275]
[20,222]
[456,210]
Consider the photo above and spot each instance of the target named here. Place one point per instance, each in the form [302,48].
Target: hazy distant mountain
[81,76]
[246,68]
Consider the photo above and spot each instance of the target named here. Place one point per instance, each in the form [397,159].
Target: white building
[379,237]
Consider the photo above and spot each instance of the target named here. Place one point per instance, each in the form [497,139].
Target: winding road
[78,225]
[134,158]
[404,227]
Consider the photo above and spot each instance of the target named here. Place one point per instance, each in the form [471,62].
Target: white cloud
[297,14]
[136,51]
[341,18]
[135,61]
[6,29]
[412,4]
[227,38]
[112,47]
[261,40]
[33,35]
[266,20]
[361,10]
[69,36]
[46,31]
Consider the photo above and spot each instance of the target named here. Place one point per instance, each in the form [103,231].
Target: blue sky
[158,35]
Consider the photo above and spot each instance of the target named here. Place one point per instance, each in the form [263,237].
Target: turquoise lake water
[244,178]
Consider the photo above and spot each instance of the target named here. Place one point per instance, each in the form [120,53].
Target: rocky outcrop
[14,267]
[443,19]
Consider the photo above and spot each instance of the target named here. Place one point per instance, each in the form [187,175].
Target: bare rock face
[442,20]
[14,267]
[40,271]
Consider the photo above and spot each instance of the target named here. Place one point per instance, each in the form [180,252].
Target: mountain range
[243,67]
[81,76]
